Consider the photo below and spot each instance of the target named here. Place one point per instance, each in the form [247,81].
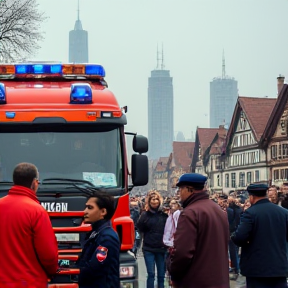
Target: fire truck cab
[65,120]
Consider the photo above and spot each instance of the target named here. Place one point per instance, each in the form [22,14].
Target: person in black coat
[233,213]
[152,223]
[263,235]
[99,261]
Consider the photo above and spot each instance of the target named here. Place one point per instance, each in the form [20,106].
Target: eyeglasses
[182,187]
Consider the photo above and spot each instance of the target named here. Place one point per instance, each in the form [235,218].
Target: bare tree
[19,29]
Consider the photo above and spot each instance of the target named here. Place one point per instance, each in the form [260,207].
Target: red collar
[23,191]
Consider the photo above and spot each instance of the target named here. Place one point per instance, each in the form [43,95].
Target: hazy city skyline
[123,36]
[160,111]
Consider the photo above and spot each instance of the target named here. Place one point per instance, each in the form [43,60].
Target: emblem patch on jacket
[101,253]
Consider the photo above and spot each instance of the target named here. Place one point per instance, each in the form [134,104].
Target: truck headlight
[126,271]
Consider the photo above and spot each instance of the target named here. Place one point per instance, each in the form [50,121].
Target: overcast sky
[123,37]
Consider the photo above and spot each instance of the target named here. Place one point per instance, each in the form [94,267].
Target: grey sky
[123,37]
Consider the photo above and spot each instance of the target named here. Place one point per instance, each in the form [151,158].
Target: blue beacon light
[81,93]
[2,94]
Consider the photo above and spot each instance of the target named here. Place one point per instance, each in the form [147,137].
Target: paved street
[142,275]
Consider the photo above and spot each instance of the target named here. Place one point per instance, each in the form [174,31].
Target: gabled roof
[182,154]
[257,111]
[275,116]
[217,146]
[205,136]
[162,164]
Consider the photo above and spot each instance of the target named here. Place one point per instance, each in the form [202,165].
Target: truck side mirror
[140,144]
[140,174]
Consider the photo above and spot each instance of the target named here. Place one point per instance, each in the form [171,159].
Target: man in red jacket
[28,247]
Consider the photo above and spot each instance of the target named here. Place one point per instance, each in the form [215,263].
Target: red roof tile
[162,164]
[182,154]
[275,116]
[257,111]
[206,136]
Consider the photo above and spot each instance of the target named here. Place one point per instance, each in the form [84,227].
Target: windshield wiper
[65,181]
[6,182]
[88,189]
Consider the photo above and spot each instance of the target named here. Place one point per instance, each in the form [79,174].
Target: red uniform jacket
[28,247]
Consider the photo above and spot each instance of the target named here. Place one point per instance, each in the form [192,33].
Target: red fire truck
[64,119]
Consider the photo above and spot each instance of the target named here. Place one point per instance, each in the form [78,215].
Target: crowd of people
[190,236]
[156,220]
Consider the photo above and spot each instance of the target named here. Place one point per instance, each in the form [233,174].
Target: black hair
[104,200]
[24,174]
[261,193]
[284,202]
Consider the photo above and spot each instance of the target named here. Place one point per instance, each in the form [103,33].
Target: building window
[276,175]
[285,150]
[257,176]
[242,179]
[235,141]
[257,158]
[227,180]
[280,152]
[273,151]
[218,181]
[218,164]
[282,171]
[249,176]
[233,180]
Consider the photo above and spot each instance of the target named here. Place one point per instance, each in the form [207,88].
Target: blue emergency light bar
[95,70]
[38,69]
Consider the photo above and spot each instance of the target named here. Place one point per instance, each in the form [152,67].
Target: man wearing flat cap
[199,258]
[263,234]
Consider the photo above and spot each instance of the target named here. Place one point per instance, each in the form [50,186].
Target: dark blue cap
[257,189]
[192,179]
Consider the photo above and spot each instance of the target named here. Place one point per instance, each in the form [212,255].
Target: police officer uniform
[99,261]
[262,234]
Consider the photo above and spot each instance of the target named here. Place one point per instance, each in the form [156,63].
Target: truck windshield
[92,156]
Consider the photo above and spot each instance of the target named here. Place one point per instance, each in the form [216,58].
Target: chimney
[280,83]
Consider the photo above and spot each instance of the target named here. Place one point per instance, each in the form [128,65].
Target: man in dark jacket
[233,213]
[263,234]
[200,254]
[99,261]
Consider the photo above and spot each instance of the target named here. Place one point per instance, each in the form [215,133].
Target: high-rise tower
[223,98]
[160,110]
[78,42]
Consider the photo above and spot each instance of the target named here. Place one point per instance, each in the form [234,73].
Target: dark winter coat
[263,235]
[233,213]
[152,225]
[99,261]
[200,255]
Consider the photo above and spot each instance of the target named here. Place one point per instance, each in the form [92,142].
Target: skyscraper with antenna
[223,98]
[78,42]
[160,110]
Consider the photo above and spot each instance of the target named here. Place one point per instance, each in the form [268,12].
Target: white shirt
[170,228]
